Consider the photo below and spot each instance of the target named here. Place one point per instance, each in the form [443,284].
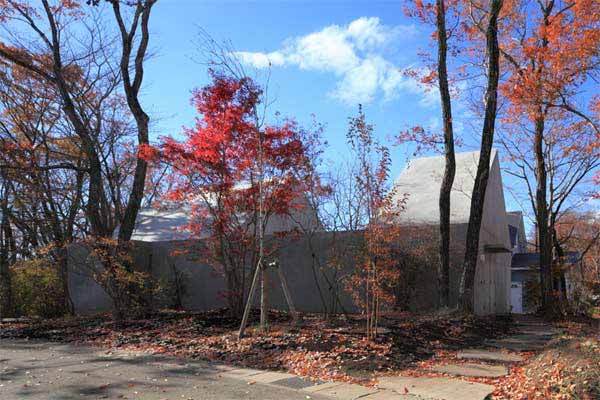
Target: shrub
[131,290]
[37,288]
[581,303]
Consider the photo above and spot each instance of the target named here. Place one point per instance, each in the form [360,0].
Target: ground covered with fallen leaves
[317,348]
[568,368]
[335,349]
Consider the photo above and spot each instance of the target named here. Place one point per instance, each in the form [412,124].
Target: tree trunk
[6,309]
[467,283]
[132,88]
[450,162]
[264,297]
[541,213]
[139,182]
[559,262]
[63,255]
[5,279]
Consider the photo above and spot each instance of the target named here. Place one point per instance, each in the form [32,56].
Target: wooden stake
[288,294]
[250,299]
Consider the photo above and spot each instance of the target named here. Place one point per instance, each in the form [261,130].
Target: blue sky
[326,56]
[265,26]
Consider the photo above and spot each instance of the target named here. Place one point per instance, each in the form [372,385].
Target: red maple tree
[218,170]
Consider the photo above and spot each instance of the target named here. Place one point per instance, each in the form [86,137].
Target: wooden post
[288,295]
[261,269]
[250,299]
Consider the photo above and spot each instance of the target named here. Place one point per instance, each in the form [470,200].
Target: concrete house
[525,275]
[418,188]
[516,230]
[320,285]
[163,249]
[525,290]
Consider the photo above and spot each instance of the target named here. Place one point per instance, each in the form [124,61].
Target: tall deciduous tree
[436,15]
[490,16]
[216,169]
[468,15]
[450,162]
[43,161]
[550,51]
[80,72]
[580,232]
[132,83]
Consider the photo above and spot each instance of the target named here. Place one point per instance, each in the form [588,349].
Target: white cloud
[360,83]
[261,60]
[354,53]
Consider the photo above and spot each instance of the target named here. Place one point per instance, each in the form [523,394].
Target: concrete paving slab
[516,340]
[240,372]
[517,346]
[475,370]
[389,395]
[531,337]
[322,386]
[437,388]
[538,327]
[539,332]
[346,391]
[296,382]
[484,355]
[270,377]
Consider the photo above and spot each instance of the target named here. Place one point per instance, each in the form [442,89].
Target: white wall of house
[492,289]
[418,187]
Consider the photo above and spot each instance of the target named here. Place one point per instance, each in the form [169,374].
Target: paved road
[51,371]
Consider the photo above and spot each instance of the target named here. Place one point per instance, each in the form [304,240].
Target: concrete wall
[165,223]
[419,257]
[315,286]
[492,289]
[88,297]
[316,268]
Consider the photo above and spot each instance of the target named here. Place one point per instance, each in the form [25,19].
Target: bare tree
[79,70]
[467,283]
[450,162]
[131,87]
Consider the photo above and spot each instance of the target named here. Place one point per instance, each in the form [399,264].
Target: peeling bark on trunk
[450,162]
[467,283]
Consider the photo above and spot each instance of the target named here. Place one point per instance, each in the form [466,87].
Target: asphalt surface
[52,371]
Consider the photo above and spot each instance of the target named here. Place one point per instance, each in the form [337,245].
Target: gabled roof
[515,218]
[420,184]
[164,224]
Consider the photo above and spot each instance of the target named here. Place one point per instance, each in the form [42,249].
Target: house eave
[495,248]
